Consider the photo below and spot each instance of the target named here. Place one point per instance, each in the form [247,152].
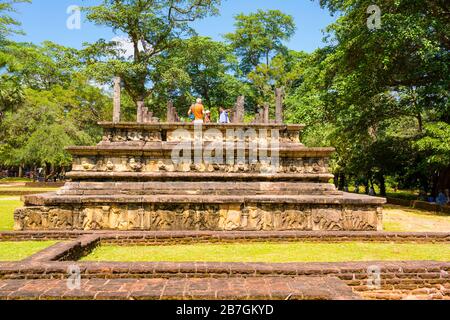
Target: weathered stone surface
[194,214]
[294,288]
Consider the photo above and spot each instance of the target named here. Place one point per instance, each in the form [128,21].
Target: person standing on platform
[208,116]
[197,110]
[224,117]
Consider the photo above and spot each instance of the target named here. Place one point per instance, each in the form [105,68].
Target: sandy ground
[398,218]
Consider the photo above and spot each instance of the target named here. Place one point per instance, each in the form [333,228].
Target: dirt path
[398,218]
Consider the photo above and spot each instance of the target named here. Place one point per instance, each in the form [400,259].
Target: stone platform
[215,177]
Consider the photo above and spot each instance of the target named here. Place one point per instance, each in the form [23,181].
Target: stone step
[344,199]
[197,188]
[197,176]
[255,288]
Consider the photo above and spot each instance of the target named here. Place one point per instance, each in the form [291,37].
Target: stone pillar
[279,105]
[239,110]
[116,106]
[259,117]
[170,114]
[140,112]
[266,116]
[145,115]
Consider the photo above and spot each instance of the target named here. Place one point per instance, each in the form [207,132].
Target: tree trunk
[420,122]
[342,181]
[382,182]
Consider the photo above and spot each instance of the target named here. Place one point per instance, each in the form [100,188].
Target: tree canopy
[379,95]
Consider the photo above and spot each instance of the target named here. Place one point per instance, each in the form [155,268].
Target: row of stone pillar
[146,116]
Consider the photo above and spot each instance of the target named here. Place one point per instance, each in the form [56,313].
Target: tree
[377,91]
[47,105]
[208,70]
[10,90]
[8,25]
[151,27]
[258,38]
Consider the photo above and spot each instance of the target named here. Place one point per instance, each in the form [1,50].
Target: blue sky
[46,20]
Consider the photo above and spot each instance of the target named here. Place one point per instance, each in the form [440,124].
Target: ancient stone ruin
[157,176]
[178,176]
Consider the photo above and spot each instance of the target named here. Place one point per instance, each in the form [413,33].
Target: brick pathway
[265,288]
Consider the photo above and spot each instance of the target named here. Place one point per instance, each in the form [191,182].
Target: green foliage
[47,106]
[151,27]
[379,96]
[198,67]
[436,145]
[379,89]
[259,44]
[259,36]
[8,25]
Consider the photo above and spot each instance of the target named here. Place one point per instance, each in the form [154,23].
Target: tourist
[423,196]
[372,192]
[224,118]
[441,199]
[196,112]
[208,116]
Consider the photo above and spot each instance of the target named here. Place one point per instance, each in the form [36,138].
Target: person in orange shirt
[198,111]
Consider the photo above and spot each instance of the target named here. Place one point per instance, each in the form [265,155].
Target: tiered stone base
[133,181]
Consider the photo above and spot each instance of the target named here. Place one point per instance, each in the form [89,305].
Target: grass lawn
[7,206]
[16,251]
[274,252]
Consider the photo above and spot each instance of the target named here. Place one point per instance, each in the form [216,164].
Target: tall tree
[151,27]
[259,37]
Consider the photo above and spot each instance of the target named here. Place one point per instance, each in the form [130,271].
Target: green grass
[16,251]
[274,252]
[7,213]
